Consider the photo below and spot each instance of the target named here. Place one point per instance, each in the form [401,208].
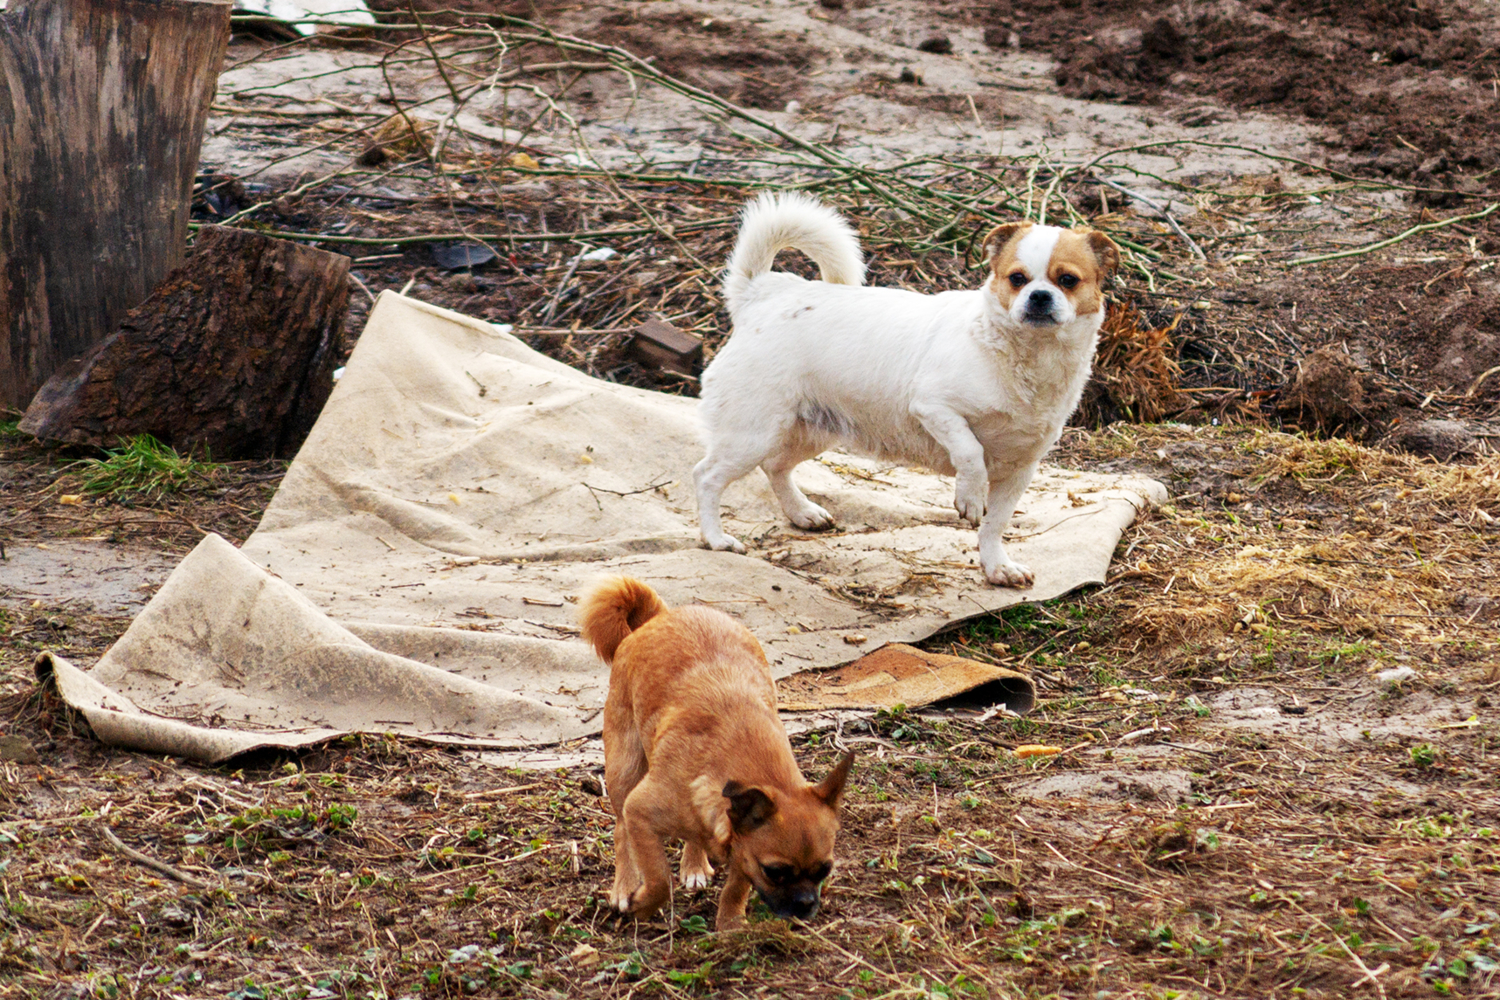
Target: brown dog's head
[1049,277]
[783,841]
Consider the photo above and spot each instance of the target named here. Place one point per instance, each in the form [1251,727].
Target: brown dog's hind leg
[695,870]
[624,767]
[737,888]
[646,854]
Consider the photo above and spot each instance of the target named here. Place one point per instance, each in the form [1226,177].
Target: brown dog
[693,749]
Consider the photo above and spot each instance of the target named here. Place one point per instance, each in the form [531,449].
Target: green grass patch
[1030,625]
[143,465]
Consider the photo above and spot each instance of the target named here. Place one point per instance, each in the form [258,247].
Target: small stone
[1442,439]
[940,45]
[18,749]
[529,190]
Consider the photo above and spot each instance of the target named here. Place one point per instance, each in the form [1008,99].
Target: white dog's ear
[1104,248]
[998,237]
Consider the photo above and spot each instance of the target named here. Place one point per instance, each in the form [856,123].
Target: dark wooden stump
[232,354]
[102,108]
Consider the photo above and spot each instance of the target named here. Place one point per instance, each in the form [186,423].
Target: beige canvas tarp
[418,570]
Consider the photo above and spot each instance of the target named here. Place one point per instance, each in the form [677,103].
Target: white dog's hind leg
[949,429]
[799,510]
[1005,493]
[711,476]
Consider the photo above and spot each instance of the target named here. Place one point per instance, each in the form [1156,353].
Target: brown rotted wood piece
[659,343]
[232,354]
[102,110]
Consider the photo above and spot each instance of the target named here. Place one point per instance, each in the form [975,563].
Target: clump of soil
[1329,392]
[1408,87]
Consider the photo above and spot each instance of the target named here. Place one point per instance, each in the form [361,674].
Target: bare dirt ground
[1279,757]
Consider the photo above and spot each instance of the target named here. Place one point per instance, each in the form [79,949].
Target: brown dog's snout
[800,901]
[804,902]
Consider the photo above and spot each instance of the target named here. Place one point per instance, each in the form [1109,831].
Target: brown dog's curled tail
[613,610]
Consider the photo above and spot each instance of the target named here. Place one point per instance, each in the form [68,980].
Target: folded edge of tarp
[118,722]
[898,674]
[222,619]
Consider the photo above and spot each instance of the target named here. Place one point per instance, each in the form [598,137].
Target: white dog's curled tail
[795,221]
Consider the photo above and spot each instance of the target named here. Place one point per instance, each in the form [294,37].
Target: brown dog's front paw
[729,922]
[696,871]
[697,876]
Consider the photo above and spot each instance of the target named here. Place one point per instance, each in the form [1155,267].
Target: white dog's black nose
[1040,300]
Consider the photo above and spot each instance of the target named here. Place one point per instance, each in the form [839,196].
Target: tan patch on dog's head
[1001,237]
[1072,262]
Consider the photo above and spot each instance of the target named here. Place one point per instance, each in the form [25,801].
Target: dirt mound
[1329,392]
[1408,87]
[1465,339]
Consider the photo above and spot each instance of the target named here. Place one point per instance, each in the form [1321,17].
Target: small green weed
[1030,624]
[1355,652]
[145,466]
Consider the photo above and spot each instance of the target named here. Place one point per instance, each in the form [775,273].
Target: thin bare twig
[1162,211]
[150,862]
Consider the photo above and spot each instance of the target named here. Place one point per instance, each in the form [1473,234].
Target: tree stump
[232,355]
[102,109]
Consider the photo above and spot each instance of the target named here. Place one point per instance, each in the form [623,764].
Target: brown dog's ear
[996,239]
[749,807]
[831,788]
[1104,248]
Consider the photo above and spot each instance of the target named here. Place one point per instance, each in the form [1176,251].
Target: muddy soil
[1408,89]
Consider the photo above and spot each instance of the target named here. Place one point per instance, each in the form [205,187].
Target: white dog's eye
[1017,279]
[1068,281]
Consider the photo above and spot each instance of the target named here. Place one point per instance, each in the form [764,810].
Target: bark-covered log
[232,354]
[102,109]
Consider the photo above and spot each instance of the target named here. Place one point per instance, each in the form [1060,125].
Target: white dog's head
[1047,277]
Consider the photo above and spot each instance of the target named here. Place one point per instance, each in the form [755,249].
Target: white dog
[975,384]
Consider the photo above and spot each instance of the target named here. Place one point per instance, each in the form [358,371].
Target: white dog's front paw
[695,880]
[724,543]
[811,518]
[968,500]
[1009,574]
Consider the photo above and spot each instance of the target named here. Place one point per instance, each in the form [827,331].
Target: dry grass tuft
[1136,376]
